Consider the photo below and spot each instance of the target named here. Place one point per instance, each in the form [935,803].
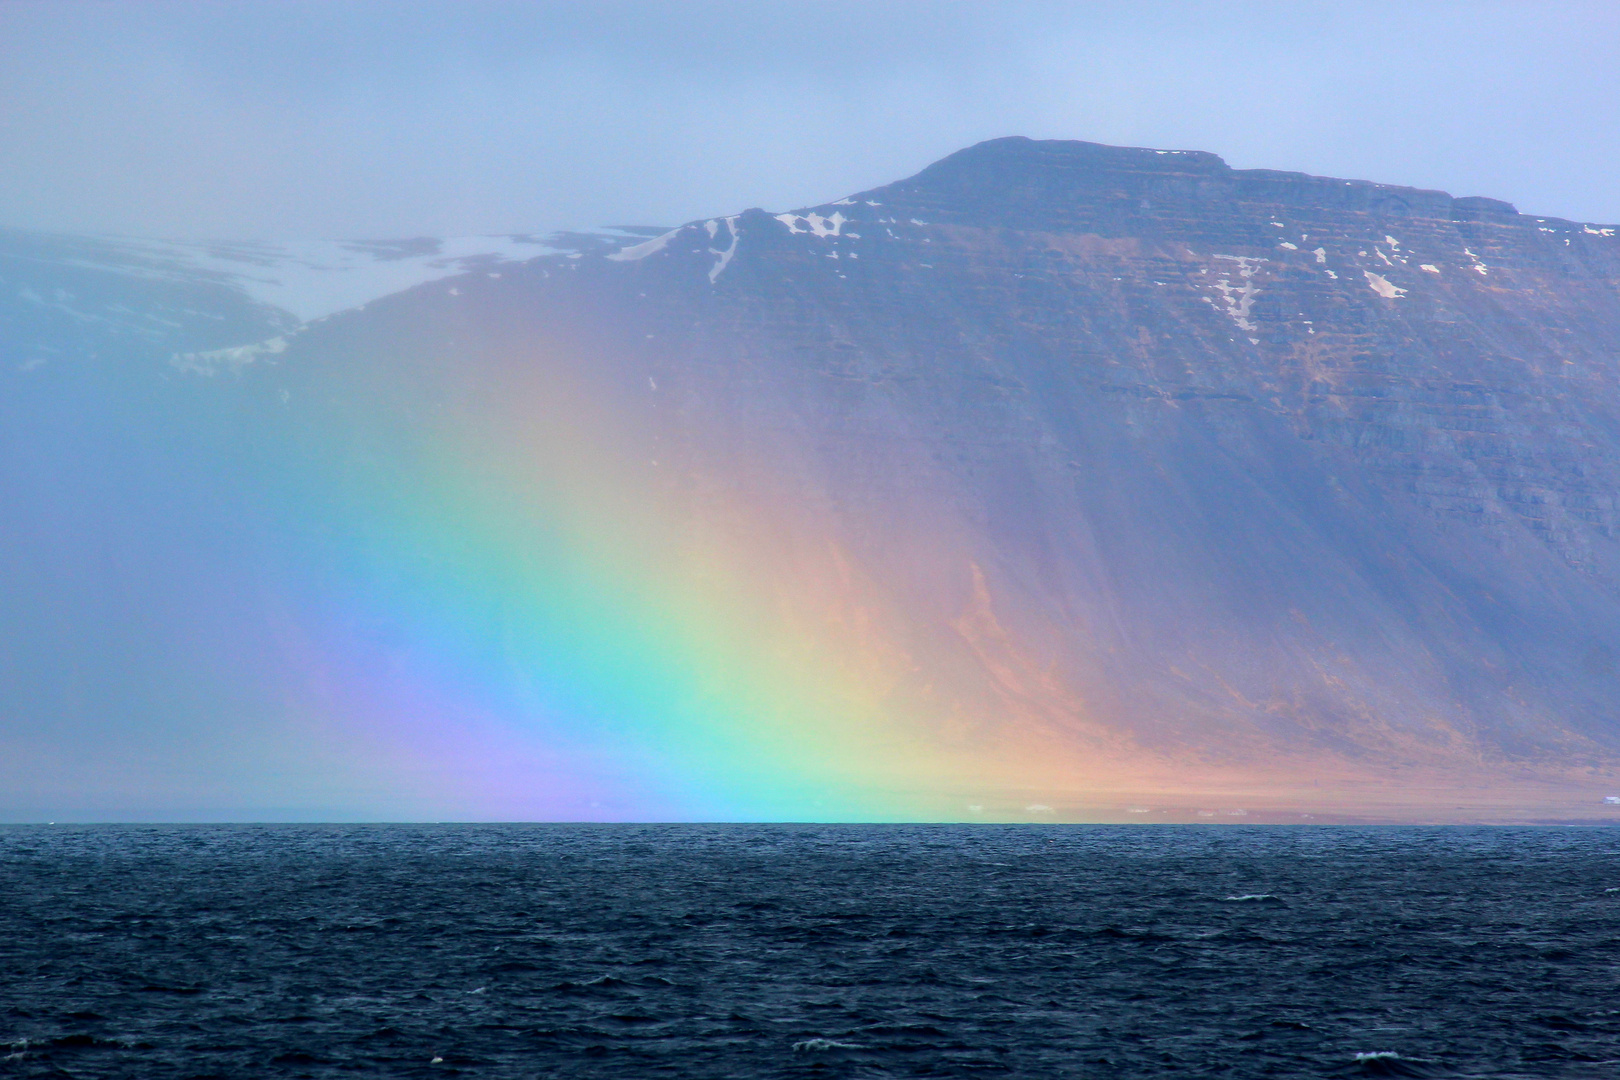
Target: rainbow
[498,608]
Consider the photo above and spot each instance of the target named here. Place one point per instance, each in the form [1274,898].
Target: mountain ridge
[1099,479]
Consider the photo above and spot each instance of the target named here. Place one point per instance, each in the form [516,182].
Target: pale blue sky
[343,118]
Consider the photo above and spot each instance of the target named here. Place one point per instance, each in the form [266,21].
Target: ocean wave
[1389,1063]
[822,1046]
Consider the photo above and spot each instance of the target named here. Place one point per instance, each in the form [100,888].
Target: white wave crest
[818,1046]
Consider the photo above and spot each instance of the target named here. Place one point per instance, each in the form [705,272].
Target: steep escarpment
[1241,468]
[1058,479]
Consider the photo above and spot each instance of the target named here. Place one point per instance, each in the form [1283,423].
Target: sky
[287,119]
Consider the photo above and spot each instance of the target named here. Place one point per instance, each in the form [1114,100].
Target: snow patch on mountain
[813,223]
[311,279]
[637,252]
[233,359]
[1383,286]
[315,278]
[727,253]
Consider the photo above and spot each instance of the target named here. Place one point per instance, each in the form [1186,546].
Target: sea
[764,951]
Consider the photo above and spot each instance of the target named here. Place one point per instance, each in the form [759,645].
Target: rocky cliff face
[1230,486]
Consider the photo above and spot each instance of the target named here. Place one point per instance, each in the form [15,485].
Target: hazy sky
[290,119]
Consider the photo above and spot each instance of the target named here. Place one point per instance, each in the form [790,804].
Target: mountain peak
[1065,185]
[1075,156]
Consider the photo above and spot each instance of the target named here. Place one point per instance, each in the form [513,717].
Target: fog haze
[305,120]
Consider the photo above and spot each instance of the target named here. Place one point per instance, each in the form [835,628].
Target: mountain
[81,297]
[1058,481]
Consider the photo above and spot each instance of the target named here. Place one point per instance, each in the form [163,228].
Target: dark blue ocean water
[808,951]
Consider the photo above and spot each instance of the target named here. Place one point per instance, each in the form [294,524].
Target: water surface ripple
[742,951]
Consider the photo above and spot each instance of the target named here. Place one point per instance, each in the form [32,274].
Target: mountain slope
[1058,479]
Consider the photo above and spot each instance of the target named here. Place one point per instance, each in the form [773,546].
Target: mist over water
[828,951]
